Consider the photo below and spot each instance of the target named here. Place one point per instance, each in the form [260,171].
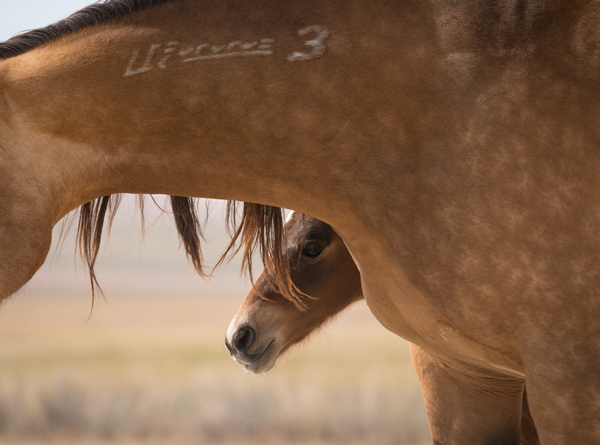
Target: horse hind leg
[24,246]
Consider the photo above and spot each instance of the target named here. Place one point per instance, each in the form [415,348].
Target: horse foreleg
[467,406]
[24,245]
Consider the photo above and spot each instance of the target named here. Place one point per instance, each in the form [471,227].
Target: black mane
[94,14]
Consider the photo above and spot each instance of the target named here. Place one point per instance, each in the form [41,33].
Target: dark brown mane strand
[89,233]
[189,230]
[261,230]
[94,14]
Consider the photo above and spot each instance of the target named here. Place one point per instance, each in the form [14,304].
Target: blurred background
[149,365]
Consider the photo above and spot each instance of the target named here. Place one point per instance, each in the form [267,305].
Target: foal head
[267,324]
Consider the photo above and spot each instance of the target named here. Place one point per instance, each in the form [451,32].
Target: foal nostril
[228,346]
[244,338]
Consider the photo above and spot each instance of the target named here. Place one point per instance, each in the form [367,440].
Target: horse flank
[259,229]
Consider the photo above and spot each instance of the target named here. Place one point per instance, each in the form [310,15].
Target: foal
[266,325]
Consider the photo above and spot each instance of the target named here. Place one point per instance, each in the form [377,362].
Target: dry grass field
[152,368]
[156,371]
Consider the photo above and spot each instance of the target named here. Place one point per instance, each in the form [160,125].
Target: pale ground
[152,367]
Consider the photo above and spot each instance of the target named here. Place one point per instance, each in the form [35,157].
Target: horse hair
[97,13]
[260,228]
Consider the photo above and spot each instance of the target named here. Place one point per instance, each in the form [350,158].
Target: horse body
[267,325]
[453,146]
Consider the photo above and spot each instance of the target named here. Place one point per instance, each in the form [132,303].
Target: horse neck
[115,108]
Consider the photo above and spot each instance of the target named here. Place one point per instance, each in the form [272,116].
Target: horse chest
[404,310]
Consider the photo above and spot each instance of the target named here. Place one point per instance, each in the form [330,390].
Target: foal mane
[97,13]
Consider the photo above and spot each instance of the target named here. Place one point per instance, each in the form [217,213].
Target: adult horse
[267,325]
[452,145]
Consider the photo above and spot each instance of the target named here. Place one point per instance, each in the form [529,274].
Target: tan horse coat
[452,145]
[267,325]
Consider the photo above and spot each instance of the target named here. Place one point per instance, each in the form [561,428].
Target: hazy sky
[21,15]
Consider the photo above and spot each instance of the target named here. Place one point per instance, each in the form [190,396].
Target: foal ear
[260,229]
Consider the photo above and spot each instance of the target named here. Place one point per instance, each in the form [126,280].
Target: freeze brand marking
[172,52]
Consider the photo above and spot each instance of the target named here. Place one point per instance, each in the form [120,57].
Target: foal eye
[312,250]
